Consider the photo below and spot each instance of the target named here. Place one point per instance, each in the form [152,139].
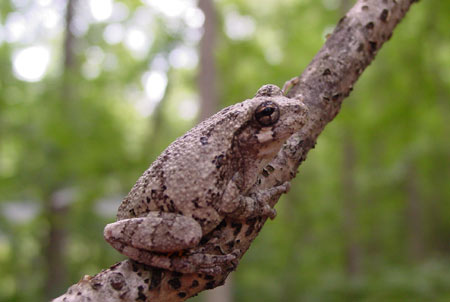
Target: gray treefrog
[203,177]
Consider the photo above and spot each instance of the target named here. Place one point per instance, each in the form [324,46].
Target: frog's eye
[267,113]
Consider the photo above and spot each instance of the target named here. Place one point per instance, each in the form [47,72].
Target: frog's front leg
[159,240]
[254,204]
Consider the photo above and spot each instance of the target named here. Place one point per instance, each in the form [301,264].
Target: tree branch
[327,80]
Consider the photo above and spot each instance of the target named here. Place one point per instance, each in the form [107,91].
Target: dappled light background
[91,91]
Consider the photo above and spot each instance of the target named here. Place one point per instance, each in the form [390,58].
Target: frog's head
[275,118]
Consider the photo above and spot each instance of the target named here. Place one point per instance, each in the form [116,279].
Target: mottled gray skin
[200,179]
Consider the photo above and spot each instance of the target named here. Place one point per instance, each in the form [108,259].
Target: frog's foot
[204,263]
[265,196]
[256,204]
[191,263]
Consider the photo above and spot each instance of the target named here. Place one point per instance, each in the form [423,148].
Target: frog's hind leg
[156,232]
[159,240]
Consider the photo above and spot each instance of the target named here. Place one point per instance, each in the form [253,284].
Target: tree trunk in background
[208,106]
[414,216]
[207,72]
[56,209]
[69,53]
[56,205]
[352,248]
[69,38]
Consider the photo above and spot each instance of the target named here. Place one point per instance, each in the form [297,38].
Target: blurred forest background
[91,91]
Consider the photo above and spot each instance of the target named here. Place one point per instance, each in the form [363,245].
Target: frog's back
[192,173]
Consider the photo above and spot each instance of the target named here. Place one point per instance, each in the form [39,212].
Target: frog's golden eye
[267,113]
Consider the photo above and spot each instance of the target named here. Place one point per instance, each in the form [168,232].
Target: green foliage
[367,216]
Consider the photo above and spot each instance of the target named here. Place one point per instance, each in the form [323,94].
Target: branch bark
[324,84]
